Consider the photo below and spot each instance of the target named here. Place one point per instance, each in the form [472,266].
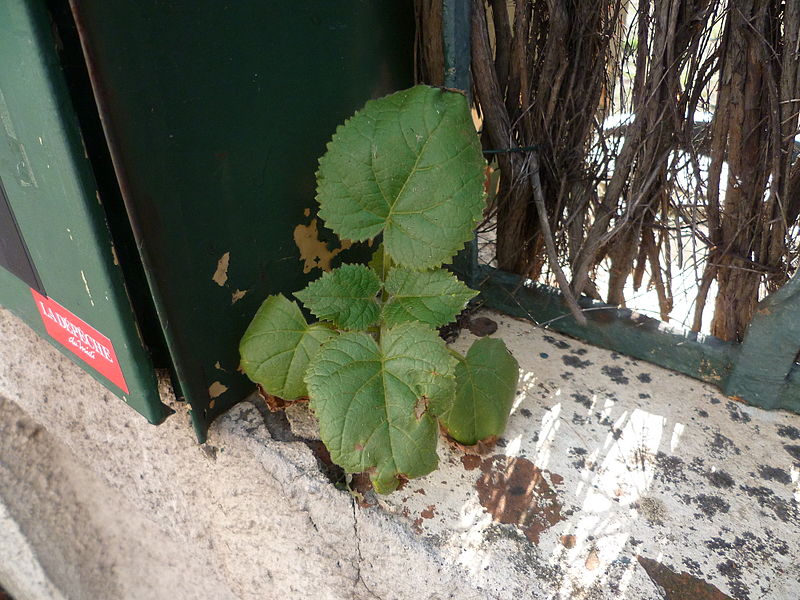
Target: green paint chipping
[240,182]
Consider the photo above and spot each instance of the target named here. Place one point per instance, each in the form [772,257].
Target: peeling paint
[238,295]
[313,252]
[217,389]
[220,276]
[25,176]
[86,285]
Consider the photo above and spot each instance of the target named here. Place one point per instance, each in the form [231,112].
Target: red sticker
[84,340]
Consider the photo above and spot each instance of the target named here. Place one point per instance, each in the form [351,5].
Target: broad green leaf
[372,399]
[433,297]
[346,296]
[277,346]
[410,165]
[486,381]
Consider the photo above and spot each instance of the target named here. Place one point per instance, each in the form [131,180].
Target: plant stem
[386,264]
[458,356]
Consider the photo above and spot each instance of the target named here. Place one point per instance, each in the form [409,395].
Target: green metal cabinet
[214,115]
[61,272]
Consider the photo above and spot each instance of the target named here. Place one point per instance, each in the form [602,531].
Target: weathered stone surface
[649,463]
[256,515]
[76,537]
[605,460]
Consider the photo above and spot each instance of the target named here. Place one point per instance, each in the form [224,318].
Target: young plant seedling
[407,167]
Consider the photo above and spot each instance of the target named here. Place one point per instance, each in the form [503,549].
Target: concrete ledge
[253,516]
[615,479]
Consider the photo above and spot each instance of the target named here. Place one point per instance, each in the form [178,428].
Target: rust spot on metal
[238,295]
[428,512]
[679,586]
[220,276]
[515,491]
[313,252]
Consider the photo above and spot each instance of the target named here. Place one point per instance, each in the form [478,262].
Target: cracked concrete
[245,516]
[615,479]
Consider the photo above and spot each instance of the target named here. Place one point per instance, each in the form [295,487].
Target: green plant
[408,167]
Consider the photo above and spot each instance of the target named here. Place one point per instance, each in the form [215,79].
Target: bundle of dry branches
[577,194]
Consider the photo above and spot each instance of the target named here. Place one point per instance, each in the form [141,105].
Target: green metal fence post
[456,27]
[762,373]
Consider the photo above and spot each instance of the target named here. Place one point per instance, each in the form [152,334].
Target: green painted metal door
[216,113]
